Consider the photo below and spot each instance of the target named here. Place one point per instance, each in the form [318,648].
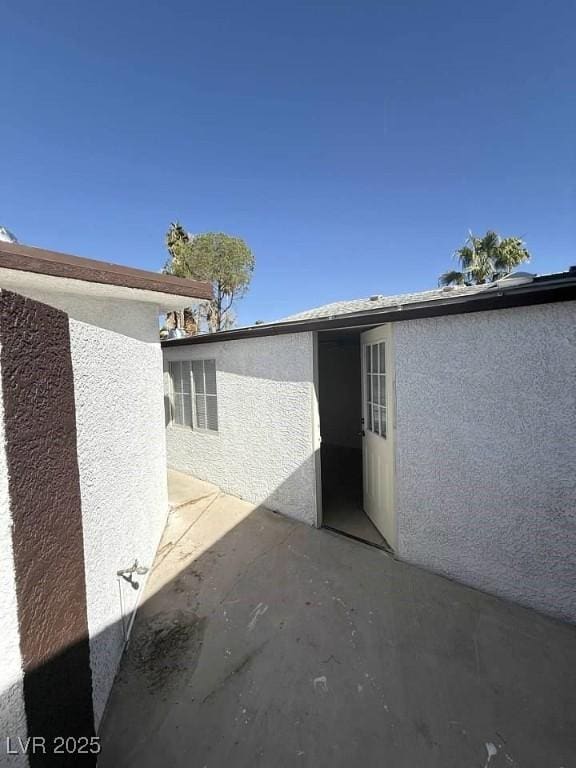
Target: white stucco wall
[486,451]
[12,715]
[264,449]
[122,460]
[117,365]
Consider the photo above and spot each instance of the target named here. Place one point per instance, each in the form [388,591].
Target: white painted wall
[12,715]
[117,364]
[486,451]
[122,459]
[264,449]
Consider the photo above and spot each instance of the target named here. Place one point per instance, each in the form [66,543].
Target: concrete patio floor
[264,642]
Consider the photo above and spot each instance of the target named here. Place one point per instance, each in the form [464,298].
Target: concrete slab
[264,642]
[185,489]
[348,516]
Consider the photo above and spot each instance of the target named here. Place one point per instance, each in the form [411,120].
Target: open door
[377,434]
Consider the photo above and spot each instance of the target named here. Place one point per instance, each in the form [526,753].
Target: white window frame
[192,395]
[375,389]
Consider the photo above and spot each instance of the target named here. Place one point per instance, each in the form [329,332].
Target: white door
[377,441]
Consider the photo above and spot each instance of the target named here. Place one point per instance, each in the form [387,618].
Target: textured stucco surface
[486,454]
[117,367]
[264,449]
[46,512]
[12,715]
[122,460]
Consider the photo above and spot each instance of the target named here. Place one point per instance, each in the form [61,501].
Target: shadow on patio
[264,642]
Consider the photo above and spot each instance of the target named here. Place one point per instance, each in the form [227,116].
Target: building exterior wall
[12,714]
[39,424]
[122,462]
[486,455]
[264,450]
[115,365]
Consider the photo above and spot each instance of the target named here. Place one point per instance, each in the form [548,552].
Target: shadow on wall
[263,641]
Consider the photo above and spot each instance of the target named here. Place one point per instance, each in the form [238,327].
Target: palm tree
[452,277]
[485,259]
[511,253]
[175,238]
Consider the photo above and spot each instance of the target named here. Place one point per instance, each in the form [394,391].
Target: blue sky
[352,145]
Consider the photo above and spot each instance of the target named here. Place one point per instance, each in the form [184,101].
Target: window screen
[375,365]
[181,393]
[194,397]
[205,398]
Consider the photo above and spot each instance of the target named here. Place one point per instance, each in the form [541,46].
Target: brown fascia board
[25,258]
[541,291]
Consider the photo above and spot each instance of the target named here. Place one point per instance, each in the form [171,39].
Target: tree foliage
[485,259]
[223,260]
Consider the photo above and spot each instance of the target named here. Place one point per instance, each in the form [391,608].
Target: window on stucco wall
[194,400]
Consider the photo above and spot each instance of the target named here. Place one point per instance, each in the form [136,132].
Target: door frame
[390,413]
[316,435]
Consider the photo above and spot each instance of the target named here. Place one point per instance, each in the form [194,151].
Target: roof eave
[494,298]
[23,258]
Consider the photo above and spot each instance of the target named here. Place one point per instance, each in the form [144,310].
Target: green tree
[485,259]
[221,259]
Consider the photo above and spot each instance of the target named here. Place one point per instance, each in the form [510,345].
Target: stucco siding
[106,442]
[12,715]
[486,455]
[265,445]
[122,463]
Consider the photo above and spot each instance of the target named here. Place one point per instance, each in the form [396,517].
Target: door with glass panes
[377,433]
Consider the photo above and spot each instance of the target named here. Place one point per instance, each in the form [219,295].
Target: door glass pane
[382,356]
[382,398]
[375,395]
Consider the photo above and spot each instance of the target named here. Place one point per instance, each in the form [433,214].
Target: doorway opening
[341,428]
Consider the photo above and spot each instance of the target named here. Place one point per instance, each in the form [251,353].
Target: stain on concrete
[423,730]
[235,672]
[165,648]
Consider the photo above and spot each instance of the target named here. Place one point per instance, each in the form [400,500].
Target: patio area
[264,642]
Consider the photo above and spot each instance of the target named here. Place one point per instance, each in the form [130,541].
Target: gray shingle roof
[382,302]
